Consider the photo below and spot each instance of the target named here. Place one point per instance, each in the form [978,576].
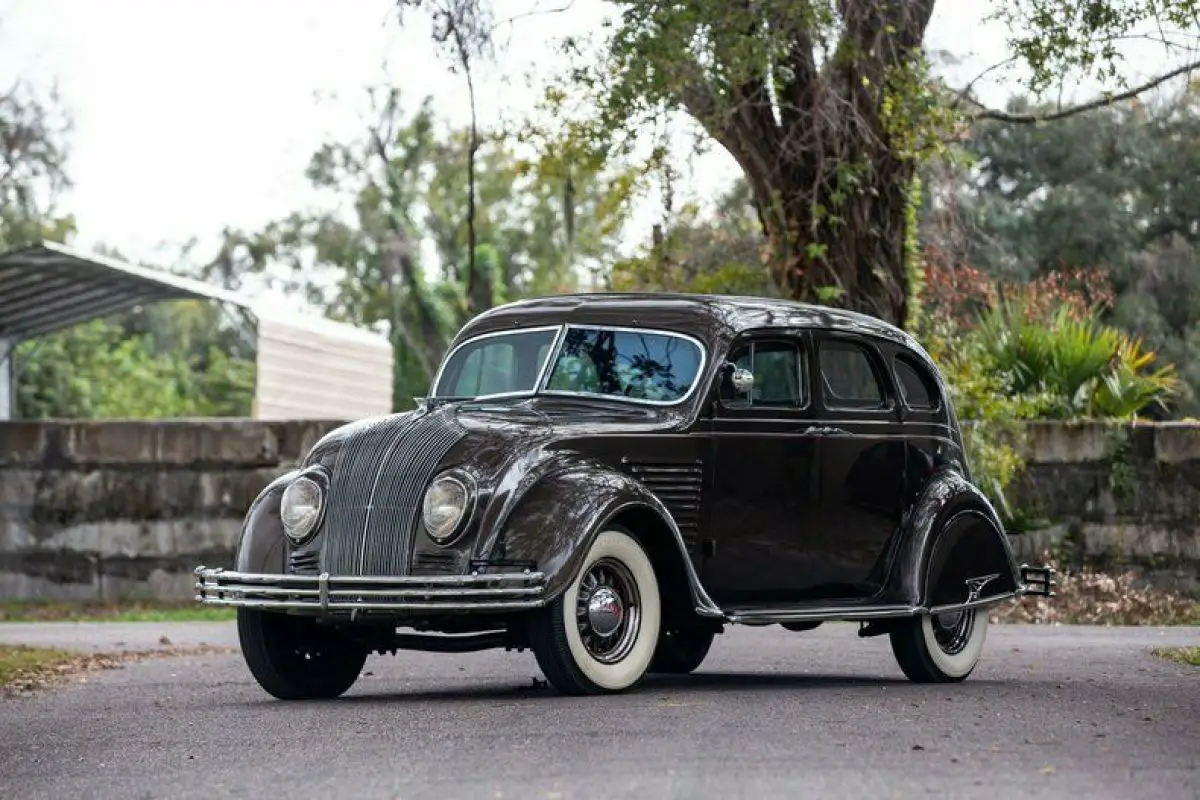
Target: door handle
[812,430]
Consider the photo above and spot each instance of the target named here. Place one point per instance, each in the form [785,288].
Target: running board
[774,616]
[851,613]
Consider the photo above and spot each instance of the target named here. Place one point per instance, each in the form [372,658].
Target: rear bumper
[1038,581]
[336,595]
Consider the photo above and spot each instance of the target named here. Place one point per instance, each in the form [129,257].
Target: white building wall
[317,369]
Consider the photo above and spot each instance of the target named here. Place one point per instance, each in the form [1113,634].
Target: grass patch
[21,665]
[24,670]
[129,611]
[1180,655]
[1097,598]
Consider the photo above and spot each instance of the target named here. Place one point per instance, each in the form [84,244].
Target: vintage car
[609,480]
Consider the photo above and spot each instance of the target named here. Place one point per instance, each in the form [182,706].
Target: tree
[32,168]
[716,253]
[827,108]
[401,181]
[1115,190]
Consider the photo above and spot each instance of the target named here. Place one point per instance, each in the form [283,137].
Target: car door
[764,468]
[860,494]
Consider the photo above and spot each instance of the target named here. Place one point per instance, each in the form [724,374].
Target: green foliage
[1081,367]
[992,414]
[1117,189]
[1055,37]
[105,369]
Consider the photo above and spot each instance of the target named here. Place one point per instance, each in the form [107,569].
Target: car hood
[495,432]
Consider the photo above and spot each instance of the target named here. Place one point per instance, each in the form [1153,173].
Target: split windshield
[607,362]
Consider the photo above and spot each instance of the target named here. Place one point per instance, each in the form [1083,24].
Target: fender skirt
[956,554]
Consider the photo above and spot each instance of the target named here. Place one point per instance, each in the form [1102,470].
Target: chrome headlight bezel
[448,535]
[316,481]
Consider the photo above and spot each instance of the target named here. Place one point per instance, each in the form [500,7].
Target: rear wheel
[941,648]
[681,651]
[296,658]
[600,634]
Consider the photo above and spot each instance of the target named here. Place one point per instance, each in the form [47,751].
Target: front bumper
[1038,581]
[335,595]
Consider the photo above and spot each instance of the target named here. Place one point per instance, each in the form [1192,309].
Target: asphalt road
[1050,712]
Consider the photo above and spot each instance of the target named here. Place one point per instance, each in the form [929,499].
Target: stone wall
[127,509]
[112,510]
[1115,497]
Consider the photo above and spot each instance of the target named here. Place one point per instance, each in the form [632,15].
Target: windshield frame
[556,345]
[543,371]
[700,368]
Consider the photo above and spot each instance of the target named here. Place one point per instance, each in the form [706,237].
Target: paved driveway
[1051,712]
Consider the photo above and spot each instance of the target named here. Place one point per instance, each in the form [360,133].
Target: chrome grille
[375,493]
[678,486]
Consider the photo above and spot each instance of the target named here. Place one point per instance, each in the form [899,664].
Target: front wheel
[296,658]
[600,634]
[942,648]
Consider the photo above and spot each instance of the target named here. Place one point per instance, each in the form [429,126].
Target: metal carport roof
[48,287]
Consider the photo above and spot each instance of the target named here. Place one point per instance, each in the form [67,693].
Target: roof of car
[697,314]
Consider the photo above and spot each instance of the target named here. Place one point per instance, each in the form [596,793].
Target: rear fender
[555,521]
[955,550]
[261,545]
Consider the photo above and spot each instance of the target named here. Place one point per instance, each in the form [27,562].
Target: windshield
[629,364]
[638,365]
[507,363]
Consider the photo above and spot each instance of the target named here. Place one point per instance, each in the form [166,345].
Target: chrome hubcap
[953,631]
[605,611]
[608,611]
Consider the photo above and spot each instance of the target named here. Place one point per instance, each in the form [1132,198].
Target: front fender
[261,547]
[955,549]
[554,522]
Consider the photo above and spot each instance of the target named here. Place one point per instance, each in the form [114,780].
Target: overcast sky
[194,114]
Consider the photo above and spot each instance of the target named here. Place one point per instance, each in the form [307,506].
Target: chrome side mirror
[742,380]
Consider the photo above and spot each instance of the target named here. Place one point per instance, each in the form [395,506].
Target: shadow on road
[696,685]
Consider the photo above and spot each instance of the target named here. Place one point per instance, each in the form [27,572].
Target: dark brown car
[609,480]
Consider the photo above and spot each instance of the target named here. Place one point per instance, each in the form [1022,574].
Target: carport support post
[6,378]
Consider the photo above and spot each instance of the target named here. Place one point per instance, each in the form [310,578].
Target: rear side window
[848,379]
[917,389]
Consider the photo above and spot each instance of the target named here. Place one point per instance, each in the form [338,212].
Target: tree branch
[998,115]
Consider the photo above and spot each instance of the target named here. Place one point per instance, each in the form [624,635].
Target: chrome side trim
[981,603]
[336,594]
[821,614]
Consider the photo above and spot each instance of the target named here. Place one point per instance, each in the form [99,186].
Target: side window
[848,379]
[917,389]
[780,377]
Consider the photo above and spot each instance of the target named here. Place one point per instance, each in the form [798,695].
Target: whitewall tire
[600,634]
[940,649]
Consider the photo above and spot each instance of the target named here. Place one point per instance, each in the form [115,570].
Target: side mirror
[742,380]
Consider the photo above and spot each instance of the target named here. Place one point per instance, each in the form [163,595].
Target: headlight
[445,508]
[300,508]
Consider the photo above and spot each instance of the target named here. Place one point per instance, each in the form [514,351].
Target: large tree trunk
[829,183]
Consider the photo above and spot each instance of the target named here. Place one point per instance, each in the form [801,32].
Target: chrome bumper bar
[337,594]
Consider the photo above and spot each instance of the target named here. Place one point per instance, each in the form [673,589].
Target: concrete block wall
[107,510]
